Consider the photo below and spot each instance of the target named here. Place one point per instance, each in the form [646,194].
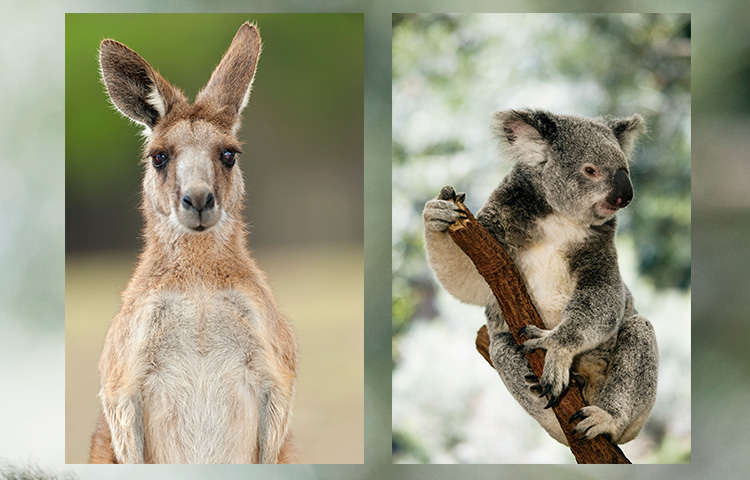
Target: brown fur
[199,365]
[101,444]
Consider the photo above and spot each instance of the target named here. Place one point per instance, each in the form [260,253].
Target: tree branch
[498,269]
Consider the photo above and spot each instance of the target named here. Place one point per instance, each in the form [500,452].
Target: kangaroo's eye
[158,159]
[227,156]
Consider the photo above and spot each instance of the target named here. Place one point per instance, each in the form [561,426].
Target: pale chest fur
[200,384]
[545,268]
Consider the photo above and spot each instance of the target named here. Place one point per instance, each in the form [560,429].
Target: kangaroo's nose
[198,200]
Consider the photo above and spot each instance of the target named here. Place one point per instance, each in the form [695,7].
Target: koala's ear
[525,134]
[627,130]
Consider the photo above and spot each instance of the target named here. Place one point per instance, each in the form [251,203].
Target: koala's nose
[622,191]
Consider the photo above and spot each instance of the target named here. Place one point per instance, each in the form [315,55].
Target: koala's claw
[546,390]
[533,383]
[576,416]
[447,193]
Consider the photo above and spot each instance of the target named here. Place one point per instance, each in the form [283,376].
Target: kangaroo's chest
[200,387]
[545,267]
[201,329]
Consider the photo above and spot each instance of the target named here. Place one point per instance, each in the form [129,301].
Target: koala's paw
[440,214]
[449,193]
[530,331]
[557,362]
[594,421]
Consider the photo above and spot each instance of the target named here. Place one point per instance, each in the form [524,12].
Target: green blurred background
[447,83]
[32,287]
[302,160]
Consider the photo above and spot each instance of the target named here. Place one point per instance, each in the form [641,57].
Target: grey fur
[30,472]
[555,214]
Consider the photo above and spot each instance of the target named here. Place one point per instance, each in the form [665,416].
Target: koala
[555,213]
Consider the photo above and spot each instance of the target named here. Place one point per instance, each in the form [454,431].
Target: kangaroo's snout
[198,201]
[197,207]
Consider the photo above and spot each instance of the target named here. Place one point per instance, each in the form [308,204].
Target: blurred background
[32,161]
[450,73]
[302,160]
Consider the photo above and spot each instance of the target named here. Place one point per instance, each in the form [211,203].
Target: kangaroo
[199,365]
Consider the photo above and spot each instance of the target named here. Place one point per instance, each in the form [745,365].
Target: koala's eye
[590,171]
[159,159]
[228,157]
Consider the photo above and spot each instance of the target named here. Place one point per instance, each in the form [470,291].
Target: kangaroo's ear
[135,88]
[230,84]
